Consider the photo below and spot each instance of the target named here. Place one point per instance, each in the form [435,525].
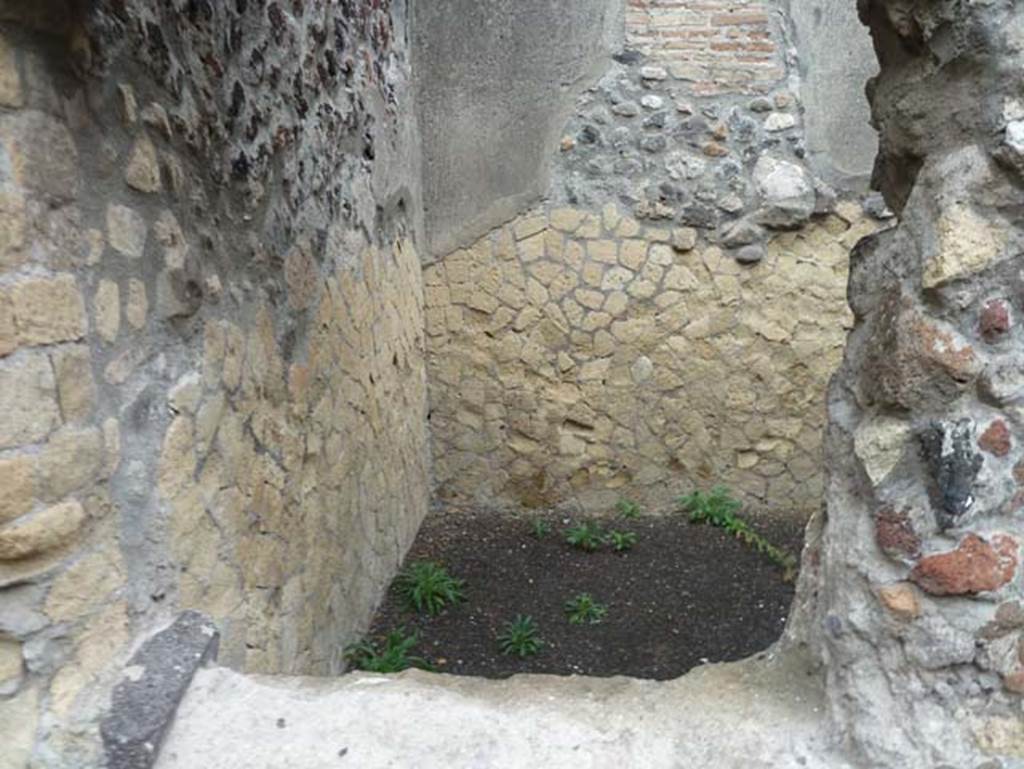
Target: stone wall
[211,350]
[668,319]
[915,583]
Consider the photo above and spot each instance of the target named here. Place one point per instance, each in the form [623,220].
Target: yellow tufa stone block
[48,310]
[611,217]
[532,248]
[604,251]
[143,170]
[107,310]
[72,459]
[127,231]
[46,530]
[13,224]
[76,389]
[17,479]
[10,81]
[529,225]
[566,219]
[136,305]
[966,244]
[86,585]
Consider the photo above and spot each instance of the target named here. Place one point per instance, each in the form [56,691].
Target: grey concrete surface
[836,60]
[495,83]
[755,715]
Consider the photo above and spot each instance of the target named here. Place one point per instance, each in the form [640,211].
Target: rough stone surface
[786,190]
[143,704]
[929,692]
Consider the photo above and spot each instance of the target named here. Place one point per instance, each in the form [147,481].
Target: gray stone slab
[143,704]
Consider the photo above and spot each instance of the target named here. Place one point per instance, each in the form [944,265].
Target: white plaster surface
[757,714]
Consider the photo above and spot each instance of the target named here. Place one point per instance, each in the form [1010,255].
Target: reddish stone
[1018,473]
[895,533]
[996,439]
[1014,682]
[914,361]
[975,566]
[995,319]
[944,348]
[715,150]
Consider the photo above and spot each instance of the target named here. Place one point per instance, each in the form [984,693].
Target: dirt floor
[684,595]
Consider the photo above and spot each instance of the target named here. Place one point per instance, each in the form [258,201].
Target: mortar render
[669,318]
[212,371]
[836,62]
[495,82]
[913,584]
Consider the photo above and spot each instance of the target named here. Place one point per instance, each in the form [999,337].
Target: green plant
[428,587]
[718,508]
[520,637]
[621,540]
[628,509]
[585,536]
[392,658]
[540,528]
[583,609]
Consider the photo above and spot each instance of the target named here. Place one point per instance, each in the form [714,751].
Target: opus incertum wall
[670,316]
[212,377]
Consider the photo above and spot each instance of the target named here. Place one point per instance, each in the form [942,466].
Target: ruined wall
[916,579]
[211,350]
[670,317]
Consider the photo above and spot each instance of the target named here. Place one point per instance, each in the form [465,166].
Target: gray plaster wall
[836,60]
[495,82]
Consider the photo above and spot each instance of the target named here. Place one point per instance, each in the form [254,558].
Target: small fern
[427,586]
[582,609]
[628,509]
[621,541]
[718,508]
[393,657]
[520,637]
[585,536]
[539,528]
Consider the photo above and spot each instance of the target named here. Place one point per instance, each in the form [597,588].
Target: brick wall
[719,45]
